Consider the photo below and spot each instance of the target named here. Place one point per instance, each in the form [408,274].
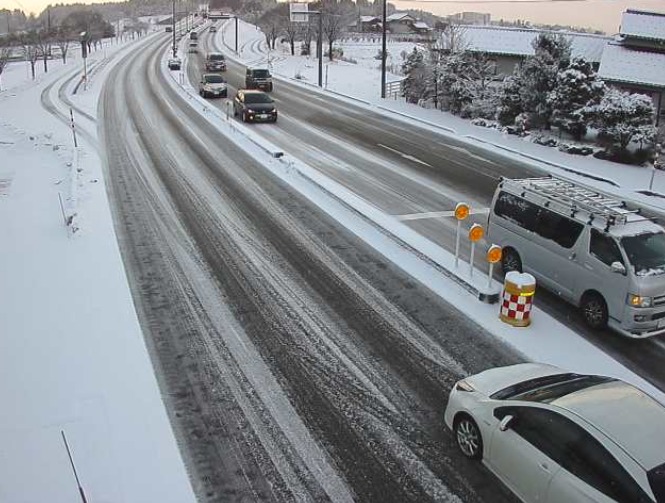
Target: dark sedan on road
[254,106]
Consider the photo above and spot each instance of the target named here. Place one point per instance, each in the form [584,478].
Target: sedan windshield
[646,253]
[656,478]
[257,98]
[549,388]
[214,79]
[216,57]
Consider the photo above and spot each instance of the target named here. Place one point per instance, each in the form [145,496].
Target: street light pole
[174,50]
[236,18]
[319,47]
[383,52]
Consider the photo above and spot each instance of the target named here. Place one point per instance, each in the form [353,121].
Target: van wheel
[594,310]
[511,261]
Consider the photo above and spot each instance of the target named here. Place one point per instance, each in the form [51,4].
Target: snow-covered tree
[538,74]
[510,101]
[576,87]
[621,117]
[418,77]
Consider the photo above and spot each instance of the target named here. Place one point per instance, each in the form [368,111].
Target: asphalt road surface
[409,172]
[296,363]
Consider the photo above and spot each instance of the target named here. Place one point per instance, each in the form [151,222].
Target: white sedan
[554,436]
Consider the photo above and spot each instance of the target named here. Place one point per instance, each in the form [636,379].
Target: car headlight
[639,301]
[464,386]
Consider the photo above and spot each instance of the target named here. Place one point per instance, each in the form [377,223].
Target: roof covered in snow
[398,16]
[421,25]
[517,41]
[369,19]
[642,24]
[622,64]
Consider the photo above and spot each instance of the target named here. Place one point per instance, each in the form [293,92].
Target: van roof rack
[570,198]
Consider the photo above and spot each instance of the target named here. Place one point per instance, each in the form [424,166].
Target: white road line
[470,154]
[406,156]
[438,214]
[659,342]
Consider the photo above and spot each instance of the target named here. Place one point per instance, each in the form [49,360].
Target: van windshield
[261,74]
[646,253]
[216,57]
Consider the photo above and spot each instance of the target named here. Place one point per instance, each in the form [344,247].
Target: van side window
[604,248]
[558,228]
[516,210]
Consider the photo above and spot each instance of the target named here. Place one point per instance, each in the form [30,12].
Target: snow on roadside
[72,355]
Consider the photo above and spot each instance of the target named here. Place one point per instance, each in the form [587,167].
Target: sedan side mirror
[618,268]
[505,423]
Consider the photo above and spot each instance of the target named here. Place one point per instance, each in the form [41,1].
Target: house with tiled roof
[508,46]
[635,61]
[403,22]
[367,24]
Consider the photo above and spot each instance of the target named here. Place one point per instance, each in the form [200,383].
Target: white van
[587,247]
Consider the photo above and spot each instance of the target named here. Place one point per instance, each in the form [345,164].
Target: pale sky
[600,14]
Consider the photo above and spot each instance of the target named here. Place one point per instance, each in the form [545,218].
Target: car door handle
[545,467]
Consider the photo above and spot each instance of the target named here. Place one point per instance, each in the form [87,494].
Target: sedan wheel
[468,438]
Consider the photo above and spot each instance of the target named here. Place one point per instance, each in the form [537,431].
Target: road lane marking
[438,214]
[405,156]
[470,154]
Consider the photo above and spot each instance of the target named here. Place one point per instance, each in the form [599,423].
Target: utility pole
[174,49]
[236,18]
[319,46]
[383,52]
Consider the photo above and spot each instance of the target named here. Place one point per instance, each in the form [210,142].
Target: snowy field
[72,357]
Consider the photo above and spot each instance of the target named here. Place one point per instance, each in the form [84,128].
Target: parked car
[215,62]
[587,247]
[213,29]
[174,64]
[213,85]
[258,78]
[254,106]
[558,437]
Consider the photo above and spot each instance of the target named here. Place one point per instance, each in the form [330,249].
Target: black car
[215,62]
[174,64]
[258,78]
[254,106]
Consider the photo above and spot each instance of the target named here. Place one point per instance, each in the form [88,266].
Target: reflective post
[476,233]
[493,256]
[461,213]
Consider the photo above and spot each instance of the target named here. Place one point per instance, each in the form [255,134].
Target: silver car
[558,437]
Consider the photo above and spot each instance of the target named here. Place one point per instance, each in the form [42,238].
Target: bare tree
[4,59]
[43,44]
[336,17]
[453,38]
[290,29]
[30,50]
[62,39]
[269,23]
